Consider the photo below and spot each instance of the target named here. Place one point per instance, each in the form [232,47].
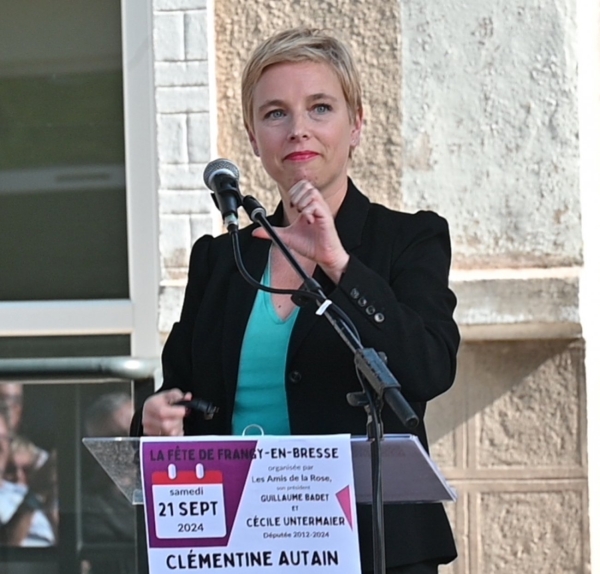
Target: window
[78,223]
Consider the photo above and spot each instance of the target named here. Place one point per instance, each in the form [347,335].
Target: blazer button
[354,293]
[379,317]
[370,310]
[362,302]
[295,377]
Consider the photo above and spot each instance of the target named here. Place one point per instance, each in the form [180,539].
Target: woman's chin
[291,179]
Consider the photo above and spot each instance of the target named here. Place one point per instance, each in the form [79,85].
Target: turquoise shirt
[260,398]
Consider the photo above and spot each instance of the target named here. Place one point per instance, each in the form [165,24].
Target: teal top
[260,398]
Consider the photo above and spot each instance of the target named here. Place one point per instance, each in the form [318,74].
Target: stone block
[178,4]
[176,177]
[540,532]
[196,41]
[175,275]
[172,138]
[169,37]
[443,422]
[446,416]
[181,74]
[517,303]
[170,301]
[185,202]
[204,224]
[527,402]
[172,100]
[174,240]
[199,138]
[444,451]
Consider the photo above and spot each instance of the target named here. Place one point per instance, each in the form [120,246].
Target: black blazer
[396,292]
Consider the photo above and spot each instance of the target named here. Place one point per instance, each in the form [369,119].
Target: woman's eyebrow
[313,97]
[270,104]
[322,96]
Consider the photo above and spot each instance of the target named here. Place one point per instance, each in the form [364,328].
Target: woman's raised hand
[312,232]
[161,417]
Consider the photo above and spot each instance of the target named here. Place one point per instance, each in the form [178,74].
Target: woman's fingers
[305,197]
[161,417]
[313,234]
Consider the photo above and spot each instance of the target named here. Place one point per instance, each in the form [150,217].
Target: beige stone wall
[510,436]
[371,29]
[588,42]
[471,111]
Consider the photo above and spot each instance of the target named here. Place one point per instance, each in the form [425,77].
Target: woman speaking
[262,360]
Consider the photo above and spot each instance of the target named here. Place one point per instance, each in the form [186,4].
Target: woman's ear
[357,125]
[253,143]
[356,128]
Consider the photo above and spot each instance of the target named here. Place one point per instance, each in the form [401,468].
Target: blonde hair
[302,45]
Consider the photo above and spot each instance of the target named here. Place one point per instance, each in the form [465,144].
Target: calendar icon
[188,503]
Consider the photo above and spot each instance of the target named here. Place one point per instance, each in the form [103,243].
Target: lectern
[408,473]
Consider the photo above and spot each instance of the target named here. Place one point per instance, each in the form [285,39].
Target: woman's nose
[298,128]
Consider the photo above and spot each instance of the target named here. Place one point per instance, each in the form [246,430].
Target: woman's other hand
[161,417]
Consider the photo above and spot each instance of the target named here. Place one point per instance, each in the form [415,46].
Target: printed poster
[251,504]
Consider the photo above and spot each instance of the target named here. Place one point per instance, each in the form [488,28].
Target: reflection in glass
[53,418]
[52,415]
[28,479]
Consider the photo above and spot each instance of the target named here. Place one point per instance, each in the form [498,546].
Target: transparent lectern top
[120,458]
[408,473]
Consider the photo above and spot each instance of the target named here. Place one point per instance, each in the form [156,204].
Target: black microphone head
[220,166]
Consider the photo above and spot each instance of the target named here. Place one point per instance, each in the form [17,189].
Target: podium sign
[250,504]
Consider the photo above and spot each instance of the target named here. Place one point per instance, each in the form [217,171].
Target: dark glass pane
[64,245]
[63,227]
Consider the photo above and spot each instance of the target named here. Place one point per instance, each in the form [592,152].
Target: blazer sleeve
[403,305]
[176,354]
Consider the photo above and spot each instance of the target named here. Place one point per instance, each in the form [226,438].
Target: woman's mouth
[301,155]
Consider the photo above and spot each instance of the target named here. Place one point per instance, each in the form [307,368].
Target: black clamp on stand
[382,387]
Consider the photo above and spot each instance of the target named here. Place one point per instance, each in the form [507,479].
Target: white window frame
[138,315]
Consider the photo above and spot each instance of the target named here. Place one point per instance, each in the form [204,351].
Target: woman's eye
[322,108]
[274,114]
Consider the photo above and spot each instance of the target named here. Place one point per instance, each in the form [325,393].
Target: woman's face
[302,126]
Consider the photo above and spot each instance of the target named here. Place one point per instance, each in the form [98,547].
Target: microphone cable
[318,297]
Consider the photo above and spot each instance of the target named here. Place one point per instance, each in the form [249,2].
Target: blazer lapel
[349,223]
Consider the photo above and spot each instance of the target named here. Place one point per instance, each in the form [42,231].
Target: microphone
[199,405]
[221,177]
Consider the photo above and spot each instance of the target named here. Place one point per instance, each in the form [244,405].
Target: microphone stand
[382,386]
